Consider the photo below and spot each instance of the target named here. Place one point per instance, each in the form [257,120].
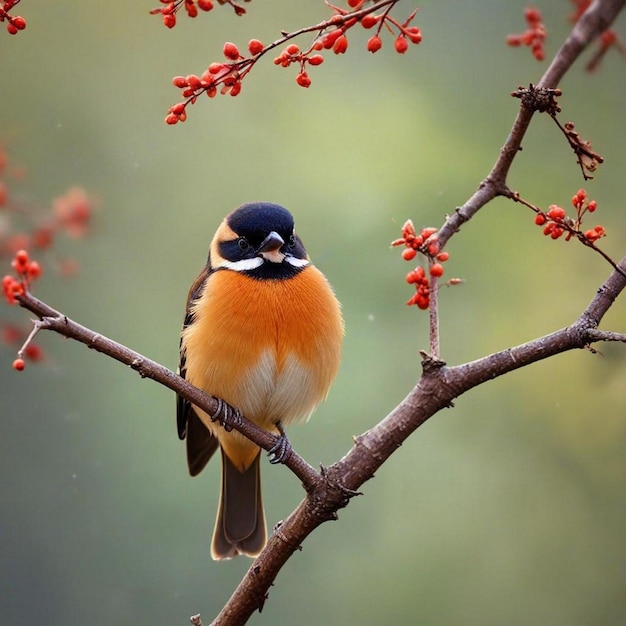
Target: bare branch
[146,368]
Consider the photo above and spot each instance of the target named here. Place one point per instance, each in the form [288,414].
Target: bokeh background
[510,508]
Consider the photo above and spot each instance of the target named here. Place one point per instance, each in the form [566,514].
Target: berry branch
[192,7]
[226,77]
[556,222]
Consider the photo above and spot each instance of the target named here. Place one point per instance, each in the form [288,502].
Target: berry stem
[433,318]
[38,325]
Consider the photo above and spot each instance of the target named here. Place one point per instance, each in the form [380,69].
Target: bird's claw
[281,450]
[225,415]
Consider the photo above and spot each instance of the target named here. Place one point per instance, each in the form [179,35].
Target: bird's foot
[281,450]
[225,415]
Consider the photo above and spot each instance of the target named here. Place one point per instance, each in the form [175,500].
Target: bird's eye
[292,241]
[243,243]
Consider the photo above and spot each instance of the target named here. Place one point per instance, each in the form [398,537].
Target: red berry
[443,256]
[540,219]
[414,34]
[436,269]
[18,22]
[255,46]
[205,5]
[422,302]
[316,59]
[341,45]
[169,20]
[592,206]
[19,365]
[369,21]
[194,82]
[514,40]
[532,15]
[433,248]
[34,270]
[12,30]
[177,108]
[556,213]
[408,254]
[179,81]
[331,37]
[33,352]
[303,79]
[20,261]
[401,44]
[231,51]
[374,44]
[427,232]
[292,49]
[215,68]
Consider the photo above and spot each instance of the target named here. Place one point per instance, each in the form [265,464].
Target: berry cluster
[226,77]
[426,244]
[534,36]
[168,12]
[556,222]
[192,8]
[23,227]
[26,271]
[15,23]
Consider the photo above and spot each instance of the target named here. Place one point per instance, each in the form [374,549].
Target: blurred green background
[508,509]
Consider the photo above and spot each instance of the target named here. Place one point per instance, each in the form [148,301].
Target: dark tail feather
[201,444]
[240,524]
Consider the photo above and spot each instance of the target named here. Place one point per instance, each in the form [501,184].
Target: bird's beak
[272,243]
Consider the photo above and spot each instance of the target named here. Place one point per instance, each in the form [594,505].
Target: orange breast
[269,347]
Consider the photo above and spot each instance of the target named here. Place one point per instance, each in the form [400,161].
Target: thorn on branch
[430,364]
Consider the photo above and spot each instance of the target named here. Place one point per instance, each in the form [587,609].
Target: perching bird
[263,332]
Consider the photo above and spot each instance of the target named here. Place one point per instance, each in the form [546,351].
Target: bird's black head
[259,239]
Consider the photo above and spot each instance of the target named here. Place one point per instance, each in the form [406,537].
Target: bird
[263,332]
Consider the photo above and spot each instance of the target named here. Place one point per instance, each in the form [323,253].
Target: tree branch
[146,368]
[596,19]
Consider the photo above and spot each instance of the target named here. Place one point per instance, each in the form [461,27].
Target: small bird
[263,332]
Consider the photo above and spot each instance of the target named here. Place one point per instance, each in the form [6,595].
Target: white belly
[289,395]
